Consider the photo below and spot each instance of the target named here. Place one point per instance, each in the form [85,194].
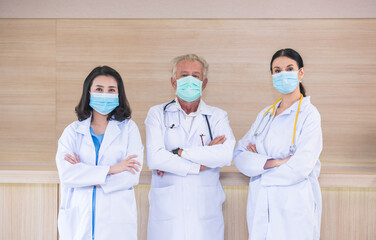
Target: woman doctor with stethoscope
[281,155]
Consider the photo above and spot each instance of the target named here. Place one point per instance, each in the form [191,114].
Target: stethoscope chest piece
[292,149]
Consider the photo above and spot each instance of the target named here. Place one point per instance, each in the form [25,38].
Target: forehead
[283,62]
[104,81]
[189,66]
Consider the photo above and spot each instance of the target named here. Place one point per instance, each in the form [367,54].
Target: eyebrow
[103,87]
[188,72]
[290,65]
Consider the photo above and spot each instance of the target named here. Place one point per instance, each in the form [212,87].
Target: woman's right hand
[272,163]
[128,164]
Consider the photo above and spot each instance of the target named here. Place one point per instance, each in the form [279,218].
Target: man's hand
[218,140]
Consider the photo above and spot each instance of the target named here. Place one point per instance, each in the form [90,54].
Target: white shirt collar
[192,114]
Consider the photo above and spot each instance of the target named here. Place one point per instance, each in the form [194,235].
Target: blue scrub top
[97,140]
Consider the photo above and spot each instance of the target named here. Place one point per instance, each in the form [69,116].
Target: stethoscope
[178,124]
[292,148]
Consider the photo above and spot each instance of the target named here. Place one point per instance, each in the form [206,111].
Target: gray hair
[190,57]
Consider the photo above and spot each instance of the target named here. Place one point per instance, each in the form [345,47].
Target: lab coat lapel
[84,129]
[176,113]
[183,122]
[199,122]
[112,131]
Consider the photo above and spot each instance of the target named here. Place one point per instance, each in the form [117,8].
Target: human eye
[98,89]
[277,71]
[290,69]
[112,90]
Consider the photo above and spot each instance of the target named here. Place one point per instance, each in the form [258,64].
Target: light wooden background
[29,212]
[43,64]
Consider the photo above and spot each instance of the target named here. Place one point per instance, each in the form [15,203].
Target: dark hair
[84,110]
[294,55]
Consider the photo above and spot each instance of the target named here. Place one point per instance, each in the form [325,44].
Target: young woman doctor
[98,159]
[281,155]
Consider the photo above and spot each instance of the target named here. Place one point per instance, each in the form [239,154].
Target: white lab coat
[284,202]
[182,205]
[116,212]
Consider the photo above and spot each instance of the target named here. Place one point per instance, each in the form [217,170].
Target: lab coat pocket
[300,199]
[123,206]
[67,223]
[210,202]
[163,203]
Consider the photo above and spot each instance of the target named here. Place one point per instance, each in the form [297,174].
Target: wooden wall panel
[338,55]
[44,63]
[348,213]
[27,92]
[28,211]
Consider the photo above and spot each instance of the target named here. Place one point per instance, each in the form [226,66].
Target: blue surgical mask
[286,82]
[104,103]
[189,88]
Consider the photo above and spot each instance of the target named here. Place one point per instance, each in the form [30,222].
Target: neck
[98,119]
[289,99]
[189,107]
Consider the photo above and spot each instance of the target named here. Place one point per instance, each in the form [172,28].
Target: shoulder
[264,110]
[71,130]
[311,110]
[74,126]
[156,112]
[214,111]
[159,108]
[128,124]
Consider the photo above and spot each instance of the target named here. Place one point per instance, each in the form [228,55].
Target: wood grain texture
[27,92]
[348,213]
[338,56]
[44,64]
[28,211]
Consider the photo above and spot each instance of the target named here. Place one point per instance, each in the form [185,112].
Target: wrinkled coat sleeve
[249,163]
[218,155]
[80,174]
[302,163]
[126,179]
[157,157]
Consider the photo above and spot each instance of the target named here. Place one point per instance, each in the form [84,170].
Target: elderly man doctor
[187,144]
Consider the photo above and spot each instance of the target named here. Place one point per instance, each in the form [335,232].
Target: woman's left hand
[71,159]
[252,148]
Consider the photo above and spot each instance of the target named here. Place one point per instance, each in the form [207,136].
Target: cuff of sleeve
[104,173]
[194,169]
[185,153]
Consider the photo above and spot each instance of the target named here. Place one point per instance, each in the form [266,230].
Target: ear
[204,83]
[301,74]
[173,83]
